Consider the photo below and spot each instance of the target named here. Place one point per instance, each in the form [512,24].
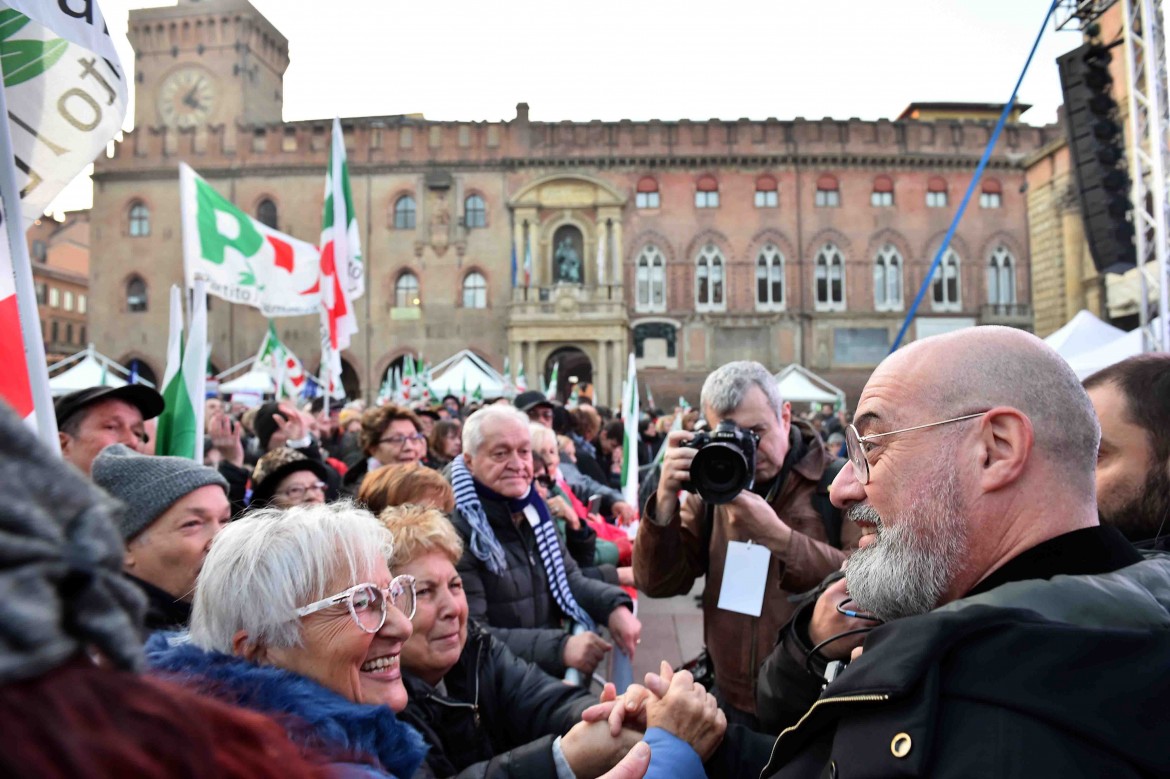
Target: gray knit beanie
[148,485]
[61,584]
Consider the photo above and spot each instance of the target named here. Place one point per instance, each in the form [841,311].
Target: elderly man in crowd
[89,420]
[519,578]
[173,509]
[1132,401]
[680,541]
[1022,638]
[391,435]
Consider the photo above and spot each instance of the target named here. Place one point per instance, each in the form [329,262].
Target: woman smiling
[297,615]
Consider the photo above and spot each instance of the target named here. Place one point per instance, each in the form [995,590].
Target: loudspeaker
[1096,141]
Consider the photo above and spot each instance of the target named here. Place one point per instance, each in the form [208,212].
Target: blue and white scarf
[487,549]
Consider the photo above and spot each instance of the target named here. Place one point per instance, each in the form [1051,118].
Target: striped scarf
[486,547]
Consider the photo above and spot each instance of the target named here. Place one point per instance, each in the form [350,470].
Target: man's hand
[585,651]
[827,622]
[633,766]
[676,471]
[687,710]
[591,749]
[560,509]
[625,711]
[624,512]
[626,629]
[288,421]
[755,519]
[225,436]
[626,576]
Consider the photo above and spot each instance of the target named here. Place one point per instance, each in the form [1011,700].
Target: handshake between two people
[671,701]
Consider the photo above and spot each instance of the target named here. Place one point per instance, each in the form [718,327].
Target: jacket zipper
[870,698]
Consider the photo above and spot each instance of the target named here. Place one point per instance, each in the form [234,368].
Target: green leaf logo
[11,22]
[25,60]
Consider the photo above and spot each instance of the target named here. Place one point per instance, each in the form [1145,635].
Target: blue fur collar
[328,722]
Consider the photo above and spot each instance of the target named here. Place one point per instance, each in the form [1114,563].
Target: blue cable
[1007,109]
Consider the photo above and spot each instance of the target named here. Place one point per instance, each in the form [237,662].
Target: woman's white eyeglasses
[367,602]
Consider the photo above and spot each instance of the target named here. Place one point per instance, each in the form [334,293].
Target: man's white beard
[908,568]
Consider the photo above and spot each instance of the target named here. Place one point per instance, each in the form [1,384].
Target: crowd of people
[965,577]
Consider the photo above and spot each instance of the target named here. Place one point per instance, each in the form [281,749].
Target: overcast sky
[648,59]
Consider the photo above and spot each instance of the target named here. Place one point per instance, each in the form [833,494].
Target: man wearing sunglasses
[1020,637]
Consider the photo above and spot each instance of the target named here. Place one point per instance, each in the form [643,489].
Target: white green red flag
[630,414]
[342,275]
[281,364]
[64,95]
[550,391]
[180,426]
[244,260]
[521,379]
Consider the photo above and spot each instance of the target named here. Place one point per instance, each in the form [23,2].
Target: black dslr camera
[725,464]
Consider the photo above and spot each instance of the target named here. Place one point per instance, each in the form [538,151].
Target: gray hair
[263,567]
[541,434]
[727,386]
[473,426]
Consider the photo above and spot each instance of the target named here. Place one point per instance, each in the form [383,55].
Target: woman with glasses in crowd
[296,615]
[391,435]
[284,478]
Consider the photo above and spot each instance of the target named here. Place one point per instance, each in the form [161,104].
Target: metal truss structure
[1149,163]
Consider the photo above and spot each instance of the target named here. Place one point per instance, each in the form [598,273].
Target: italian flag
[550,391]
[342,271]
[180,427]
[630,414]
[15,386]
[286,370]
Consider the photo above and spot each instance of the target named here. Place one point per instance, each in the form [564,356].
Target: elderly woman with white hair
[297,615]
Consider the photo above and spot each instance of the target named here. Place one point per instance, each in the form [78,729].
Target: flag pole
[197,339]
[30,320]
[327,379]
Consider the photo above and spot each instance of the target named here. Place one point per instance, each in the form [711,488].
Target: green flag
[180,426]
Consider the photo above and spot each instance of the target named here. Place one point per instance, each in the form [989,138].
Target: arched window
[770,278]
[945,290]
[887,279]
[404,210]
[709,293]
[647,194]
[136,299]
[991,194]
[139,220]
[707,192]
[828,192]
[474,212]
[406,291]
[474,290]
[266,213]
[767,194]
[1001,277]
[651,278]
[883,192]
[830,279]
[936,192]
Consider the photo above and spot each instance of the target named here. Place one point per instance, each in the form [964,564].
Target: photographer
[785,511]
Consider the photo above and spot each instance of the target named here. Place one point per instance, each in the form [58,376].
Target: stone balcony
[1007,314]
[568,303]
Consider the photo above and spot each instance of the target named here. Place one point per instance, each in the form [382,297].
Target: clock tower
[207,62]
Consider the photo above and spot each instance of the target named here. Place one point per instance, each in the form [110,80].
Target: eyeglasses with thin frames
[399,440]
[855,443]
[367,602]
[298,492]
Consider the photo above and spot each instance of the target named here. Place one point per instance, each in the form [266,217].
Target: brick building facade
[691,242]
[60,267]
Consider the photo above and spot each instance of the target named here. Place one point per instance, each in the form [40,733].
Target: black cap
[146,400]
[427,412]
[526,401]
[265,425]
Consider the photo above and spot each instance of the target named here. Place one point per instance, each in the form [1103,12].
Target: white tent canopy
[800,385]
[88,368]
[466,371]
[1083,333]
[252,382]
[1089,362]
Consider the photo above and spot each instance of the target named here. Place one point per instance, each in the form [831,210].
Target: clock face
[186,97]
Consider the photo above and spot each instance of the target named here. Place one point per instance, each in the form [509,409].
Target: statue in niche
[567,261]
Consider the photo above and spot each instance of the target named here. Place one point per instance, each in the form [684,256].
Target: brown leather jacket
[667,560]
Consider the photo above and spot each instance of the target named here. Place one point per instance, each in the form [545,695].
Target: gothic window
[770,278]
[767,194]
[139,220]
[829,270]
[709,292]
[266,213]
[828,192]
[647,195]
[945,293]
[404,210]
[883,192]
[707,193]
[136,299]
[1001,277]
[651,280]
[474,290]
[887,279]
[406,294]
[474,212]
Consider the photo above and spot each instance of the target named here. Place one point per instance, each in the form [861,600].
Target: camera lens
[719,472]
